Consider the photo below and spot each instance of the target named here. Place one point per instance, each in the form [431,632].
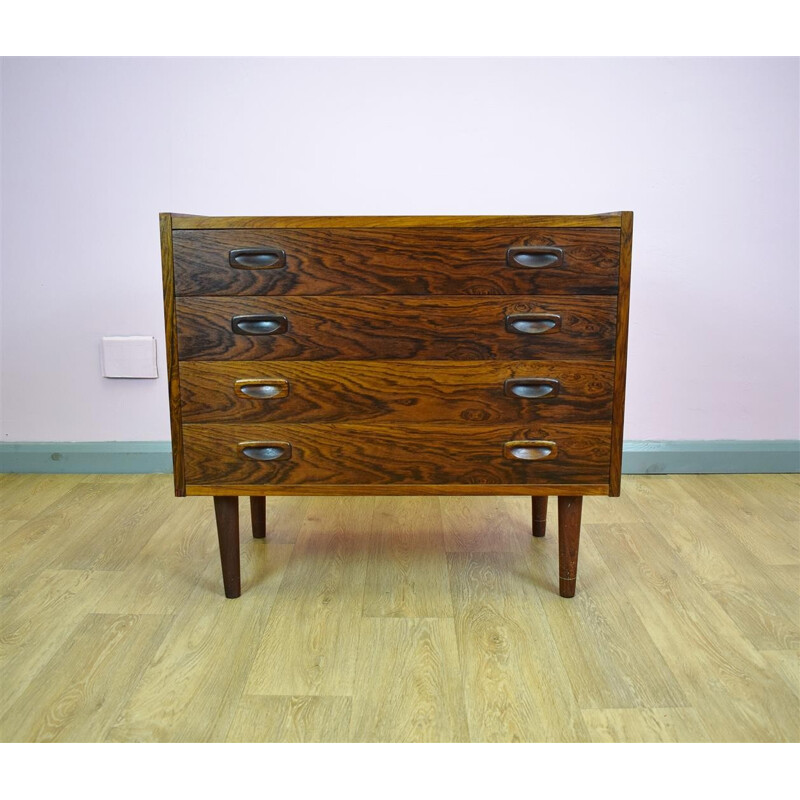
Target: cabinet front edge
[192,222]
[243,490]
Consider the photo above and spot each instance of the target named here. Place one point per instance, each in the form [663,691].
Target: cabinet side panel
[621,351]
[165,223]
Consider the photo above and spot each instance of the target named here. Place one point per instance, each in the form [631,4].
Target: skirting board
[639,458]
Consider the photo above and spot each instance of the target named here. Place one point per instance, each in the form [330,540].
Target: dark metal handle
[266,451]
[259,324]
[531,388]
[530,450]
[533,323]
[257,258]
[262,388]
[534,257]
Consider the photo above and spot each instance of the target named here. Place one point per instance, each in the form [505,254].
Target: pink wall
[705,151]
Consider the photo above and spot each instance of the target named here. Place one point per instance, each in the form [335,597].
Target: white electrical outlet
[129,357]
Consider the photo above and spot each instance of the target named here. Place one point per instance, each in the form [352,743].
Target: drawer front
[400,391]
[395,454]
[365,328]
[399,261]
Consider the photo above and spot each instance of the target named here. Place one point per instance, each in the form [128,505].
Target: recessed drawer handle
[533,323]
[266,451]
[531,388]
[534,450]
[262,388]
[534,257]
[257,258]
[259,324]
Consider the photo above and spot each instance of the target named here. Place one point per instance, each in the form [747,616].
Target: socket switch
[129,357]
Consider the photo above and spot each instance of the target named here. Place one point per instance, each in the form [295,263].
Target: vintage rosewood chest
[397,355]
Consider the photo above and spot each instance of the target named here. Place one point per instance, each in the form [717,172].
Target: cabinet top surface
[607,220]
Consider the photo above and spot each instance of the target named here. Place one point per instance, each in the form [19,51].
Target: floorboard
[400,619]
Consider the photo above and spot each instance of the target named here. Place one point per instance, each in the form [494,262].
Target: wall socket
[128,357]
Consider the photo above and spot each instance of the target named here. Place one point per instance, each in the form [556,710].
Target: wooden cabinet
[397,355]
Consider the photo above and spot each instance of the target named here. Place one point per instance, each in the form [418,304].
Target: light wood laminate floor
[400,619]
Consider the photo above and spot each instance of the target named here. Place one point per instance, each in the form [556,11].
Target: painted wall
[705,151]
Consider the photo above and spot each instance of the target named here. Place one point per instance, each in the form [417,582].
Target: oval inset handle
[533,323]
[531,388]
[266,451]
[259,324]
[262,388]
[257,258]
[534,257]
[530,450]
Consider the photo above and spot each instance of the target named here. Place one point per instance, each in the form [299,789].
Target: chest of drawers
[397,356]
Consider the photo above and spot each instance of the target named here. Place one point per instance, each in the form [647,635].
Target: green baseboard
[713,456]
[86,457]
[638,458]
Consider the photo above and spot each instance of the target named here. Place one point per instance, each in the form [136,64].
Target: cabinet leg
[539,507]
[258,513]
[226,510]
[569,534]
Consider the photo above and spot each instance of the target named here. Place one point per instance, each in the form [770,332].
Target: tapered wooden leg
[226,510]
[258,514]
[539,507]
[569,534]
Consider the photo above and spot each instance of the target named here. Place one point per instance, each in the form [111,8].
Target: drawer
[400,391]
[396,454]
[396,261]
[432,328]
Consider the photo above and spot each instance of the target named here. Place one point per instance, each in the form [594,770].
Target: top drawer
[403,261]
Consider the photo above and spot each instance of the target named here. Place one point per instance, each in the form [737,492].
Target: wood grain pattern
[258,517]
[511,670]
[518,669]
[785,663]
[285,519]
[170,327]
[645,725]
[73,533]
[190,690]
[226,510]
[399,261]
[399,454]
[621,349]
[83,700]
[375,295]
[569,534]
[389,489]
[102,546]
[406,564]
[539,515]
[264,718]
[24,496]
[717,492]
[310,645]
[408,695]
[193,222]
[609,654]
[358,328]
[401,391]
[161,578]
[717,668]
[762,606]
[484,524]
[40,619]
